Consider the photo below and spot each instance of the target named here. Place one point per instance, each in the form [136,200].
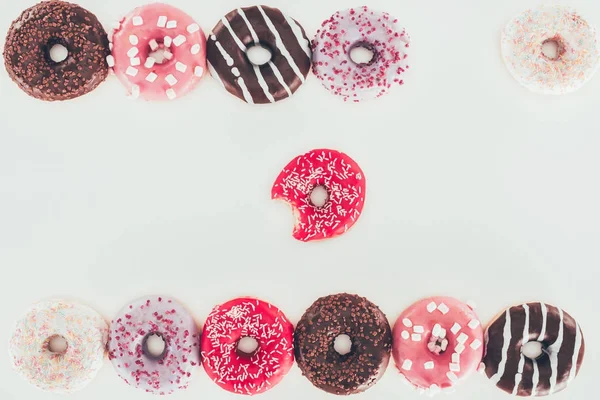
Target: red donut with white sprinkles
[326,190]
[247,346]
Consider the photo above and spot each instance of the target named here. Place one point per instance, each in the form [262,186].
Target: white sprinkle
[475,344]
[455,328]
[181,67]
[407,322]
[172,24]
[153,45]
[459,348]
[135,61]
[171,94]
[167,41]
[167,54]
[462,338]
[110,60]
[407,365]
[135,91]
[416,337]
[149,62]
[418,329]
[132,52]
[405,335]
[195,49]
[443,308]
[455,358]
[431,306]
[474,323]
[162,21]
[137,21]
[193,28]
[429,365]
[452,376]
[133,40]
[131,71]
[198,71]
[454,367]
[179,40]
[436,330]
[171,80]
[151,77]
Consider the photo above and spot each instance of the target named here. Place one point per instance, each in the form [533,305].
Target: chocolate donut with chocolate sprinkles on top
[267,27]
[562,349]
[43,26]
[331,318]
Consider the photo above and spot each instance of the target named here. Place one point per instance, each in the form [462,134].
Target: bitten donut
[363,326]
[550,49]
[331,172]
[247,370]
[560,340]
[159,52]
[154,318]
[376,32]
[437,342]
[84,334]
[269,28]
[53,23]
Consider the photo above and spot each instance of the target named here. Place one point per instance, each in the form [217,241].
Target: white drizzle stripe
[573,371]
[245,91]
[225,55]
[259,76]
[214,73]
[240,81]
[519,374]
[544,318]
[304,43]
[506,342]
[249,25]
[554,350]
[535,379]
[280,78]
[280,45]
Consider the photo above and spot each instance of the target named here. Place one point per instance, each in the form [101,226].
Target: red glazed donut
[333,171]
[231,367]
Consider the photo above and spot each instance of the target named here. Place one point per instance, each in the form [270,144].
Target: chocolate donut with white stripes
[562,348]
[243,28]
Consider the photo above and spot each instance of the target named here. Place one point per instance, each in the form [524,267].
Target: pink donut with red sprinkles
[237,366]
[438,341]
[130,349]
[342,183]
[158,52]
[376,32]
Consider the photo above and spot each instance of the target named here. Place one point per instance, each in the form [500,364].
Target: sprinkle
[475,344]
[474,323]
[416,337]
[135,61]
[137,21]
[431,306]
[455,328]
[455,358]
[179,40]
[131,71]
[429,365]
[198,71]
[149,62]
[454,367]
[436,330]
[459,348]
[407,365]
[135,91]
[444,345]
[133,40]
[167,41]
[132,52]
[172,24]
[405,335]
[443,308]
[462,338]
[110,60]
[171,80]
[193,28]
[418,329]
[171,94]
[195,49]
[151,77]
[181,67]
[168,55]
[162,21]
[452,376]
[407,322]
[153,45]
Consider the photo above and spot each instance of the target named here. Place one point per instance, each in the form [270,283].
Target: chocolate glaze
[32,35]
[562,343]
[228,61]
[371,336]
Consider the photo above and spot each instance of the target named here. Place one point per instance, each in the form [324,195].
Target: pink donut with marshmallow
[437,342]
[158,52]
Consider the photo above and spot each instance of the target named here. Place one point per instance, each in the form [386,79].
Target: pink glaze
[419,336]
[339,175]
[139,34]
[247,373]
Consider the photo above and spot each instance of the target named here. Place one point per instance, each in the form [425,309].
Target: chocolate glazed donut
[268,27]
[562,350]
[370,334]
[36,31]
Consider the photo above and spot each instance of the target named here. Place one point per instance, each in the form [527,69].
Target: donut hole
[552,49]
[342,344]
[363,54]
[258,54]
[159,52]
[56,51]
[533,350]
[247,347]
[319,196]
[154,346]
[57,344]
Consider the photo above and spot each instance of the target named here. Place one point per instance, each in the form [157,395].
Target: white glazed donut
[575,41]
[372,30]
[85,333]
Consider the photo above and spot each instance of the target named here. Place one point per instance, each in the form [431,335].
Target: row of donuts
[58,51]
[342,344]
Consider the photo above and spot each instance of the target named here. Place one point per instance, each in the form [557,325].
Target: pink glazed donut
[437,342]
[158,52]
[129,351]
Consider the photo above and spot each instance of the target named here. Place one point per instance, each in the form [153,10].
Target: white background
[476,188]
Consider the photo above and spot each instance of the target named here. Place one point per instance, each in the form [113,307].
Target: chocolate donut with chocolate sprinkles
[32,36]
[329,366]
[560,349]
[227,53]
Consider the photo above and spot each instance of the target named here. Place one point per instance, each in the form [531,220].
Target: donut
[374,31]
[129,350]
[269,28]
[43,26]
[84,333]
[244,370]
[364,326]
[159,52]
[574,59]
[562,349]
[438,341]
[328,170]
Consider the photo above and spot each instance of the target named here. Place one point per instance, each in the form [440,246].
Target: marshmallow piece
[416,337]
[133,40]
[131,71]
[455,328]
[455,358]
[179,40]
[198,71]
[171,94]
[431,306]
[132,52]
[407,322]
[407,365]
[162,21]
[442,333]
[110,60]
[150,61]
[462,338]
[459,348]
[153,45]
[436,330]
[475,344]
[135,61]
[443,308]
[195,49]
[429,365]
[474,323]
[171,24]
[171,80]
[418,329]
[434,389]
[151,77]
[452,376]
[167,55]
[454,367]
[405,335]
[137,21]
[193,28]
[444,345]
[181,67]
[167,41]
